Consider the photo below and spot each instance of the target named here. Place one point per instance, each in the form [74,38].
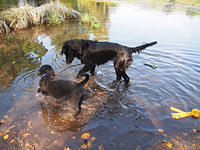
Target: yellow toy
[181,114]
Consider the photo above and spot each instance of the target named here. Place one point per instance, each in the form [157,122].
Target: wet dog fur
[94,53]
[71,91]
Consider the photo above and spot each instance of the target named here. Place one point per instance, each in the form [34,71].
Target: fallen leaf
[36,136]
[13,95]
[92,139]
[2,121]
[114,127]
[0,134]
[73,137]
[84,146]
[67,148]
[26,134]
[28,144]
[11,110]
[85,136]
[12,141]
[28,123]
[7,131]
[169,145]
[100,147]
[6,116]
[89,144]
[185,134]
[11,127]
[160,130]
[6,137]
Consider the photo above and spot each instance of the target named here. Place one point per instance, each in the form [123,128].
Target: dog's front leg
[92,70]
[86,68]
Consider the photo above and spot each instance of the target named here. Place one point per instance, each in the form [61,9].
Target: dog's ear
[52,72]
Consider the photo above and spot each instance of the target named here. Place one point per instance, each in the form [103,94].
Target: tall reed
[28,16]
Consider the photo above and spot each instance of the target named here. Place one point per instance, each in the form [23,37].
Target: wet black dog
[71,91]
[94,53]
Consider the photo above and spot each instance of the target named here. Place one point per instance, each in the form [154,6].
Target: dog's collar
[44,74]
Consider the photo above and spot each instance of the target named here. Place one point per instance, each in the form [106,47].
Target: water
[119,116]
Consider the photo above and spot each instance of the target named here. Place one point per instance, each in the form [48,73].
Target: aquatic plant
[90,20]
[28,16]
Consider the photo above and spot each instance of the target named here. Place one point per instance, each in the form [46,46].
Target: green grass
[88,19]
[28,16]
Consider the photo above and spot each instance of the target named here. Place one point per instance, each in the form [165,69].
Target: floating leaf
[89,144]
[84,146]
[85,136]
[7,131]
[6,116]
[185,134]
[169,145]
[28,123]
[26,134]
[11,127]
[2,121]
[100,147]
[92,139]
[160,130]
[12,141]
[6,137]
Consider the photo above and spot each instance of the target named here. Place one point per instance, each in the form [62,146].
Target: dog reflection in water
[69,90]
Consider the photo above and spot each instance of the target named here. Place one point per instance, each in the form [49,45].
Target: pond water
[119,116]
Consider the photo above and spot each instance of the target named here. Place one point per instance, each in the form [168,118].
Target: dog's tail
[139,48]
[82,83]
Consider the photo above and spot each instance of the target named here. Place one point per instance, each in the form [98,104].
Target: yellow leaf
[85,136]
[100,147]
[67,148]
[92,139]
[185,134]
[36,136]
[160,130]
[6,136]
[169,145]
[89,144]
[6,116]
[2,121]
[26,134]
[28,123]
[84,146]
[28,144]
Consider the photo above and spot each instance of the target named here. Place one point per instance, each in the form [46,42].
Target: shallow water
[119,116]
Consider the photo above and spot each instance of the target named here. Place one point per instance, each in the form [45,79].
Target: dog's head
[73,48]
[46,69]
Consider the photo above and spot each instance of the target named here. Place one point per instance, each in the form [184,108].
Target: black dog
[94,53]
[71,91]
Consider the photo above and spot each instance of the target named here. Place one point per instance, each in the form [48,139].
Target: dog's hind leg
[118,74]
[125,76]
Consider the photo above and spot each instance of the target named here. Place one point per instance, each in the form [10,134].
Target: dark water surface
[117,115]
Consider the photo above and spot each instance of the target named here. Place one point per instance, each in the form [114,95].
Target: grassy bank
[29,16]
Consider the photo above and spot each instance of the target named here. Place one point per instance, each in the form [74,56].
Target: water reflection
[113,113]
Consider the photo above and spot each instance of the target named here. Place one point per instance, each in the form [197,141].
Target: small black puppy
[71,91]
